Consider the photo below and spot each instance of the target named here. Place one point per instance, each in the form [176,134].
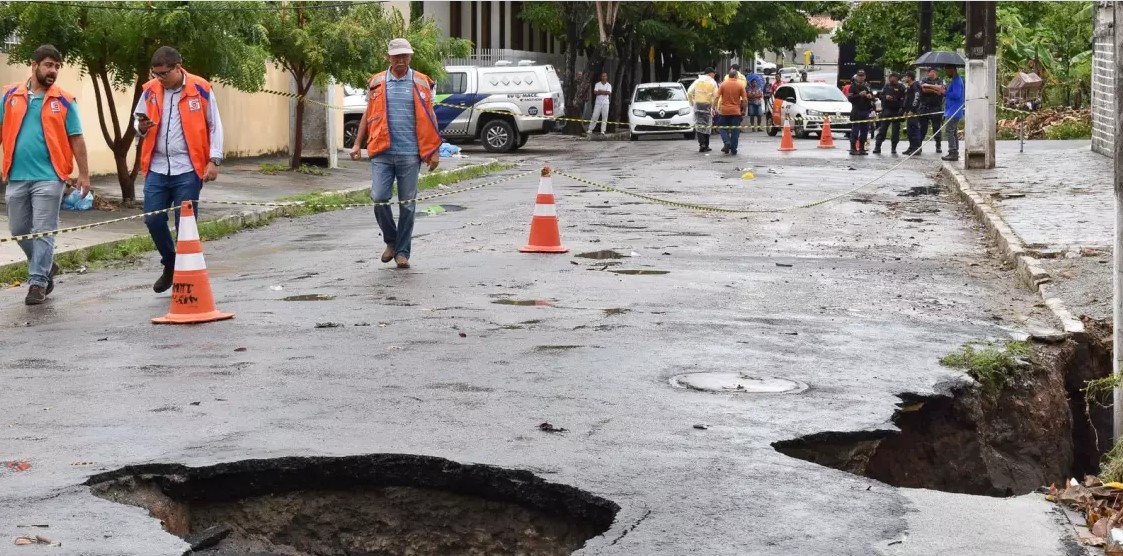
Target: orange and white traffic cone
[192,300]
[544,234]
[786,143]
[826,141]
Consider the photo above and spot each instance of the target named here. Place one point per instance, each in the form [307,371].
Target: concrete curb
[1027,268]
[245,218]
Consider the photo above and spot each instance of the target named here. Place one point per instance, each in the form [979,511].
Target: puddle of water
[602,254]
[524,302]
[309,297]
[641,272]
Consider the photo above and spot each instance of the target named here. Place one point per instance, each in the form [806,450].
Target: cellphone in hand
[141,116]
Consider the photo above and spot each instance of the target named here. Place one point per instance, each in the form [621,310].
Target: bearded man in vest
[181,133]
[401,132]
[41,137]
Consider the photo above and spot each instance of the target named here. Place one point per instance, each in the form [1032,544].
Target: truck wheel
[499,137]
[772,130]
[523,139]
[350,131]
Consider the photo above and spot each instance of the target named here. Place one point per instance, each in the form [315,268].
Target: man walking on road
[41,136]
[892,106]
[603,92]
[701,96]
[953,111]
[403,134]
[185,150]
[731,101]
[932,104]
[912,126]
[861,100]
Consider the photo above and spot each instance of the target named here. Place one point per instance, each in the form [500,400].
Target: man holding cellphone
[185,150]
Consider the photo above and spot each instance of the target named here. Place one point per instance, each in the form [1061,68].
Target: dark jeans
[936,120]
[859,134]
[161,192]
[883,127]
[912,130]
[729,135]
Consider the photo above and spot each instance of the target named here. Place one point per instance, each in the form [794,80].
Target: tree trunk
[118,139]
[574,106]
[303,85]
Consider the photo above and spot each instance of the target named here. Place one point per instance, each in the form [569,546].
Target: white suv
[660,109]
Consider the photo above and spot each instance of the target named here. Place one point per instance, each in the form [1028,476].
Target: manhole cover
[737,382]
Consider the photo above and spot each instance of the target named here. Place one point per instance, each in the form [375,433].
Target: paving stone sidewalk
[1057,199]
[240,179]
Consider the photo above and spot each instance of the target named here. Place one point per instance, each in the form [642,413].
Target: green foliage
[885,33]
[994,368]
[1070,130]
[273,168]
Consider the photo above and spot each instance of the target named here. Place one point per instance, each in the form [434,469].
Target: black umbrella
[940,58]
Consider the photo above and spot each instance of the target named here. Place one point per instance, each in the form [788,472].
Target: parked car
[688,80]
[660,109]
[502,106]
[766,68]
[790,75]
[804,106]
[354,105]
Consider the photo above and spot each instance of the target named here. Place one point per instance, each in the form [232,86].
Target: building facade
[1103,79]
[490,26]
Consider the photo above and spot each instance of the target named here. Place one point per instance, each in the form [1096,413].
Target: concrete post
[331,128]
[980,85]
[1117,300]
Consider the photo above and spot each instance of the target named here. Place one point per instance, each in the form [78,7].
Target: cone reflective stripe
[826,140]
[192,300]
[545,237]
[786,143]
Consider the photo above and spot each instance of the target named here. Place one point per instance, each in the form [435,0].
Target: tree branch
[112,106]
[100,110]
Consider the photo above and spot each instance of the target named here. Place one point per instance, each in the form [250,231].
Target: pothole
[921,190]
[524,302]
[964,440]
[434,210]
[737,383]
[372,504]
[309,297]
[601,255]
[641,272]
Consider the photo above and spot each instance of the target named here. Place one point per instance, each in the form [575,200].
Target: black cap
[709,70]
[735,66]
[861,72]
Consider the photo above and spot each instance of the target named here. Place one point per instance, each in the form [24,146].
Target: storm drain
[737,383]
[372,504]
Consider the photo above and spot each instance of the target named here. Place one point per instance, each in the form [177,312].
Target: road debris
[329,324]
[37,539]
[701,427]
[547,427]
[1102,507]
[16,466]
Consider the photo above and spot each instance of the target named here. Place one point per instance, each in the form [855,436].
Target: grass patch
[995,368]
[1111,464]
[274,168]
[1070,130]
[131,248]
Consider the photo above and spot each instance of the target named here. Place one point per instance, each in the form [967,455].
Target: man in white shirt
[603,93]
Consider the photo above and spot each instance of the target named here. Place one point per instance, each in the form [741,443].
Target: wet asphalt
[856,298]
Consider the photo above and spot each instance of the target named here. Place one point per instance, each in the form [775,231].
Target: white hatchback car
[805,106]
[660,109]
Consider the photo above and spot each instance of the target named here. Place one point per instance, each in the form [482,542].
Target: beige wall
[254,123]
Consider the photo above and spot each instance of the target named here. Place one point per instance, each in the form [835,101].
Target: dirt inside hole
[383,504]
[961,440]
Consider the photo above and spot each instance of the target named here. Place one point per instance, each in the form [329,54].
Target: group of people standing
[928,102]
[725,105]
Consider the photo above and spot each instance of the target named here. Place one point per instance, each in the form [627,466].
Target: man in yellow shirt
[701,96]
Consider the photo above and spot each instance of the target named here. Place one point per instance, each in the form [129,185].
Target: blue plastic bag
[75,201]
[448,149]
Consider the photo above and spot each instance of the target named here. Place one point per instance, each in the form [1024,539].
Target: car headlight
[638,112]
[684,111]
[814,113]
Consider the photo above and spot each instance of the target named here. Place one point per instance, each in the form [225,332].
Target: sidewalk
[1051,209]
[239,179]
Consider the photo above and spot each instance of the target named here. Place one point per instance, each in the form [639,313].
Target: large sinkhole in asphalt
[380,504]
[1037,432]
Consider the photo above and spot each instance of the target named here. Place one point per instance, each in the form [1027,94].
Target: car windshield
[822,93]
[653,94]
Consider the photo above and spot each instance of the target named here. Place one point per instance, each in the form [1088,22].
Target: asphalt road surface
[856,298]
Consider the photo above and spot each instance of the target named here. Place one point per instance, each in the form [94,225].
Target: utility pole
[925,44]
[1117,298]
[980,83]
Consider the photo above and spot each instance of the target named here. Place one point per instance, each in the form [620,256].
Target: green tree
[112,43]
[319,41]
[885,33]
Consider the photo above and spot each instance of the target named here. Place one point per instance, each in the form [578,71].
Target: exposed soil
[381,504]
[1031,435]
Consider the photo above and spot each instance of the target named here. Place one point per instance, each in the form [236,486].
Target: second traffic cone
[545,237]
[786,143]
[826,141]
[192,300]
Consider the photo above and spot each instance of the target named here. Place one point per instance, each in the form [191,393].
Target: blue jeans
[33,208]
[384,169]
[729,136]
[161,192]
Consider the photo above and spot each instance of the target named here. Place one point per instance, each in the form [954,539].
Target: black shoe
[877,150]
[165,280]
[863,152]
[51,279]
[853,152]
[725,149]
[939,149]
[706,150]
[908,152]
[35,295]
[733,152]
[701,149]
[951,157]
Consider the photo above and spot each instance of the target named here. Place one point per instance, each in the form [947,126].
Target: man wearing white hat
[401,133]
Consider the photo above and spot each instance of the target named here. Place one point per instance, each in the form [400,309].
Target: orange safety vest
[56,104]
[192,114]
[378,128]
